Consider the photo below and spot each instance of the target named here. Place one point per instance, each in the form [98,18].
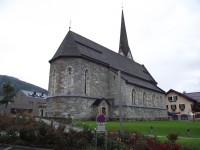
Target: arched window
[153,100]
[133,96]
[161,102]
[86,82]
[69,80]
[69,71]
[54,81]
[144,98]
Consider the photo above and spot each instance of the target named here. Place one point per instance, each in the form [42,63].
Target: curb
[20,146]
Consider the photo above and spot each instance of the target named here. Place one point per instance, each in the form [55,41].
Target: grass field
[190,143]
[161,128]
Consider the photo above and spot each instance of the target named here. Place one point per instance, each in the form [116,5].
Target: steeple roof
[123,43]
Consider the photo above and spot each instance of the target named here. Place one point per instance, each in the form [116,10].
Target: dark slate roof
[98,101]
[194,95]
[182,94]
[34,94]
[123,45]
[75,45]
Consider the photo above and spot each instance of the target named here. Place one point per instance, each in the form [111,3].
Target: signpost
[100,120]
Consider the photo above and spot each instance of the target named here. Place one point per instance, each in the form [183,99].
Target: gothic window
[144,98]
[153,100]
[161,102]
[69,70]
[54,81]
[133,96]
[69,80]
[86,82]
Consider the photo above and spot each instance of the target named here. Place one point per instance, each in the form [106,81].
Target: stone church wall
[113,88]
[60,82]
[72,91]
[139,113]
[150,108]
[98,79]
[153,99]
[77,107]
[75,84]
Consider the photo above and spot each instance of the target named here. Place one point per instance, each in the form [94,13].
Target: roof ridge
[76,45]
[181,94]
[107,49]
[192,92]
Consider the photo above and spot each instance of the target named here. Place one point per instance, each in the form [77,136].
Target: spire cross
[70,23]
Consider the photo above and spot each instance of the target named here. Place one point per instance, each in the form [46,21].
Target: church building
[87,79]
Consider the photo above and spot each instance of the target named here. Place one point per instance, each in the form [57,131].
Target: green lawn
[160,127]
[190,143]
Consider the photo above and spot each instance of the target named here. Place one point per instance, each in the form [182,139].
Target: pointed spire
[123,44]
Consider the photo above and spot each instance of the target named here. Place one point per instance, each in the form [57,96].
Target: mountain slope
[19,85]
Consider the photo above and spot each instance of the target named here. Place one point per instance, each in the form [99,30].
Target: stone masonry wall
[61,82]
[153,99]
[77,107]
[73,92]
[75,83]
[113,88]
[139,113]
[150,108]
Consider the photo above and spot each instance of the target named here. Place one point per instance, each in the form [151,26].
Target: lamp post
[120,101]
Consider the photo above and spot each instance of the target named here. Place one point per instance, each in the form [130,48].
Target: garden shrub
[28,134]
[38,134]
[172,136]
[12,131]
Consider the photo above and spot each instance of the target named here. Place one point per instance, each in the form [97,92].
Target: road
[7,147]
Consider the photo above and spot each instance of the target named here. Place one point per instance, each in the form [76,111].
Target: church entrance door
[103,111]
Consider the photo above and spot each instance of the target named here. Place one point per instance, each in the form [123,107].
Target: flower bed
[25,130]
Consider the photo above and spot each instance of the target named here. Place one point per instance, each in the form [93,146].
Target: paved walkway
[67,127]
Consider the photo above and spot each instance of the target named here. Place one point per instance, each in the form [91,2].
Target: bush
[172,136]
[38,134]
[28,134]
[6,139]
[12,131]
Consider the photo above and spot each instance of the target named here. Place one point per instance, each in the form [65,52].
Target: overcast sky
[164,35]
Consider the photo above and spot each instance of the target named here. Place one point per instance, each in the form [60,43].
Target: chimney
[34,94]
[42,95]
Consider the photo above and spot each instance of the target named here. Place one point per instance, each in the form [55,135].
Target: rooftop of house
[194,96]
[34,94]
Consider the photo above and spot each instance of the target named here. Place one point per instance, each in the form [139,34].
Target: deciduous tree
[9,94]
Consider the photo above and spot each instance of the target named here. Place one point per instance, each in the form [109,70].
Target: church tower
[124,49]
